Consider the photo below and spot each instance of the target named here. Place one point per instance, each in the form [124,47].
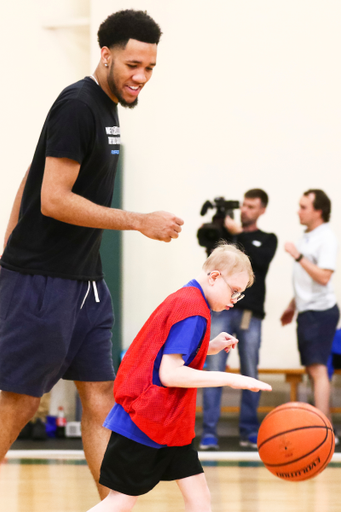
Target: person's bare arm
[289,313]
[232,226]
[223,341]
[173,373]
[14,216]
[320,275]
[61,203]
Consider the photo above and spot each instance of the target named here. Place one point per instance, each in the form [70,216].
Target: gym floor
[52,475]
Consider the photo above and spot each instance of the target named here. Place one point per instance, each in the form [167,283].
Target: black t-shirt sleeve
[70,130]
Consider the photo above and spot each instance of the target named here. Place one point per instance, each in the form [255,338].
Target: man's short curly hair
[121,26]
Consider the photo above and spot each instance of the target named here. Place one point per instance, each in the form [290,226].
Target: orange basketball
[296,441]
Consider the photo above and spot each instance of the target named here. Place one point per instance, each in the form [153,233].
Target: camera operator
[244,321]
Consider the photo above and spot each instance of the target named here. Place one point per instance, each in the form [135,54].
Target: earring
[106,65]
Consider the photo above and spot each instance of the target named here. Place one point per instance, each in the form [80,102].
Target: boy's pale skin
[218,288]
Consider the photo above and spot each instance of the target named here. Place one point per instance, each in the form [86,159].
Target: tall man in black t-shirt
[55,309]
[244,320]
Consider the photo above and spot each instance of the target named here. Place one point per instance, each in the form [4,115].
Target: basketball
[296,441]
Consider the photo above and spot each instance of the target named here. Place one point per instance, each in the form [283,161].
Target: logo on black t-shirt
[113,130]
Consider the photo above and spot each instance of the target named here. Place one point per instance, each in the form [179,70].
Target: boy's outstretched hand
[223,341]
[244,382]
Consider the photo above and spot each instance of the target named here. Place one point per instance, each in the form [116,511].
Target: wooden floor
[66,486]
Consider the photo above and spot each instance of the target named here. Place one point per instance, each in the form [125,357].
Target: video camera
[210,233]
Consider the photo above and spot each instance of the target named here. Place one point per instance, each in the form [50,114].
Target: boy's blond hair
[227,257]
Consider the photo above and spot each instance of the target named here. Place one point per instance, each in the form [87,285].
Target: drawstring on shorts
[88,291]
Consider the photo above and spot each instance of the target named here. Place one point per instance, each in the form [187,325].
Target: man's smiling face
[130,69]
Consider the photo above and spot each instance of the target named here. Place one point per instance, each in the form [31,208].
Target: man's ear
[105,55]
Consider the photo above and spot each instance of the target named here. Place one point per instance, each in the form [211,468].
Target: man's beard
[246,222]
[113,88]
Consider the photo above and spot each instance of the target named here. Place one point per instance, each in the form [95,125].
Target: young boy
[155,390]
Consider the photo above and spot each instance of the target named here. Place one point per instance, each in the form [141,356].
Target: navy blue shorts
[315,334]
[134,469]
[48,332]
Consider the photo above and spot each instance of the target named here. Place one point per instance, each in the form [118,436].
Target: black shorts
[315,334]
[52,328]
[134,469]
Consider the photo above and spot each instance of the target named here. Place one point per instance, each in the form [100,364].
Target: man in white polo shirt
[315,302]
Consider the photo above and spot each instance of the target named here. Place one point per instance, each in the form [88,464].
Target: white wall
[36,65]
[245,94]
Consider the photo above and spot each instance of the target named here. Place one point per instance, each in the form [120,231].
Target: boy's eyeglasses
[237,296]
